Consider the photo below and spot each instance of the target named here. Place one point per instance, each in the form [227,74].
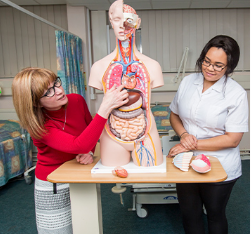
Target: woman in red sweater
[62,129]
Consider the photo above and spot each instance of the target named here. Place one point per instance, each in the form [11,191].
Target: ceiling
[141,4]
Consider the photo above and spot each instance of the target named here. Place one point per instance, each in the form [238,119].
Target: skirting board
[131,168]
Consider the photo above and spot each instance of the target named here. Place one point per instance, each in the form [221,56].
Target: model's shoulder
[103,63]
[147,60]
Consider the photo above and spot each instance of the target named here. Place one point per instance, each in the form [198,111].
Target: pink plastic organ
[201,164]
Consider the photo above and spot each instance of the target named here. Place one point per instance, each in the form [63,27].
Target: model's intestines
[129,122]
[128,129]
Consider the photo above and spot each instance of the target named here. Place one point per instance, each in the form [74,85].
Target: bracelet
[91,153]
[183,133]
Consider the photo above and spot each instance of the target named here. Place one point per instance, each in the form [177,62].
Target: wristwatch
[91,153]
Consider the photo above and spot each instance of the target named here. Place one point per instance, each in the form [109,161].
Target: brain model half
[182,160]
[201,164]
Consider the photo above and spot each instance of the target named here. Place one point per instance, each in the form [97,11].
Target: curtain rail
[35,16]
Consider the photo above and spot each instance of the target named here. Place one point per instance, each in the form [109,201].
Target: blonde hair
[27,88]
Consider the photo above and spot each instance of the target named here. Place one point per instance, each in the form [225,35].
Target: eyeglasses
[216,67]
[51,91]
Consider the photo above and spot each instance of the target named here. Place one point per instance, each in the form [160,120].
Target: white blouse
[221,108]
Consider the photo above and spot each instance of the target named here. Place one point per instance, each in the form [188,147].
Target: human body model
[130,129]
[62,129]
[210,114]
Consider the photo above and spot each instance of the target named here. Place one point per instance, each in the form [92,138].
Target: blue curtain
[70,63]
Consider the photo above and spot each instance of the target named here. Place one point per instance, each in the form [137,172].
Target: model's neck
[126,49]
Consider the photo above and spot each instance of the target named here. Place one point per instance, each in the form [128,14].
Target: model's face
[130,23]
[57,101]
[117,22]
[218,58]
[123,24]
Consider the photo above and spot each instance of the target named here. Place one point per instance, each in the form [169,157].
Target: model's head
[28,88]
[124,20]
[223,53]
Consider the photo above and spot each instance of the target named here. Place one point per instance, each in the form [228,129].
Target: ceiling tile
[239,4]
[171,0]
[84,2]
[144,5]
[137,1]
[209,4]
[171,5]
[51,2]
[211,1]
[24,2]
[97,7]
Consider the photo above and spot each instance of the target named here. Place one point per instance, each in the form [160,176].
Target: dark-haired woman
[210,114]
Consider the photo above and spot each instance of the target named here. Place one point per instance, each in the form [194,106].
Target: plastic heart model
[120,172]
[201,164]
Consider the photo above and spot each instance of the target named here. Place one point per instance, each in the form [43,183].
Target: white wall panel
[5,42]
[246,34]
[166,38]
[159,37]
[145,32]
[25,41]
[173,30]
[99,34]
[18,43]
[32,39]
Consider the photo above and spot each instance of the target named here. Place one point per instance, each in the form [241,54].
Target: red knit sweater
[80,135]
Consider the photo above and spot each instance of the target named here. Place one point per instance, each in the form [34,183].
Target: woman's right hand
[113,98]
[179,148]
[189,141]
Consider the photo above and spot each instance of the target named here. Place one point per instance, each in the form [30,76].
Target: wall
[166,33]
[78,24]
[27,42]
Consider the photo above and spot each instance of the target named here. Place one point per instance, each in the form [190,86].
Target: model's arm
[95,79]
[156,74]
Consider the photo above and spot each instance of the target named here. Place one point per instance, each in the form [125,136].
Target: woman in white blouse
[210,114]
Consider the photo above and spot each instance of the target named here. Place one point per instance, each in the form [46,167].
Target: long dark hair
[230,47]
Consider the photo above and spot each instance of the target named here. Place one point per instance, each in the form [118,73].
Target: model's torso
[132,121]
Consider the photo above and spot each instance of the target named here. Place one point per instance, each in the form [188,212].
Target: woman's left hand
[189,141]
[179,148]
[84,158]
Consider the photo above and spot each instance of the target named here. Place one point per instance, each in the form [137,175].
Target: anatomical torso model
[130,130]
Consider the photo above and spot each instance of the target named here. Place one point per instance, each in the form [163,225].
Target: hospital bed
[15,151]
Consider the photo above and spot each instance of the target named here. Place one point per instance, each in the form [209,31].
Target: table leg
[86,208]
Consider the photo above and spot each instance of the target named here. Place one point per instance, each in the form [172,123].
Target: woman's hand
[179,148]
[188,141]
[113,98]
[84,158]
